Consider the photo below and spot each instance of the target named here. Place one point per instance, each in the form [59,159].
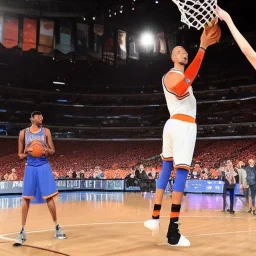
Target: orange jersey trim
[184,118]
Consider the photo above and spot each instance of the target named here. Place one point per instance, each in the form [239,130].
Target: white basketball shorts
[179,140]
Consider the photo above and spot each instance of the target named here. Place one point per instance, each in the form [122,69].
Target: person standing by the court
[230,178]
[251,180]
[38,177]
[179,135]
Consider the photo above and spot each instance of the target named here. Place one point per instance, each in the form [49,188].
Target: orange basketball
[37,149]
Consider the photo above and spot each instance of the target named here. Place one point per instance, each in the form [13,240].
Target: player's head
[229,163]
[179,56]
[36,118]
[251,162]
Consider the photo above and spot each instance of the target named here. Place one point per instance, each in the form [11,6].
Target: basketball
[217,32]
[37,149]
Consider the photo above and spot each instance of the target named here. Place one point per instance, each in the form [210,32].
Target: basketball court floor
[111,224]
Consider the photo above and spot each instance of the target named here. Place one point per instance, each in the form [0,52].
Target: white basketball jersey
[185,105]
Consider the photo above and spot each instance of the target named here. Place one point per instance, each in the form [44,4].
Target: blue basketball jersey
[29,137]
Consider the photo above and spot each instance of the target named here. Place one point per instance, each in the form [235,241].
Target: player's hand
[22,156]
[223,15]
[27,150]
[46,151]
[210,35]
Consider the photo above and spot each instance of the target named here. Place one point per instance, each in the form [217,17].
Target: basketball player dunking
[179,134]
[38,177]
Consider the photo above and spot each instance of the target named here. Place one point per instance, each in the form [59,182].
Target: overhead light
[93,17]
[56,82]
[84,18]
[147,39]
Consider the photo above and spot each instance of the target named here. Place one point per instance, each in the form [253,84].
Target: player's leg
[183,138]
[48,190]
[232,198]
[249,199]
[253,195]
[224,195]
[29,191]
[167,166]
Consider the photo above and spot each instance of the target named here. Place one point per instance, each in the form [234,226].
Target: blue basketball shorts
[39,182]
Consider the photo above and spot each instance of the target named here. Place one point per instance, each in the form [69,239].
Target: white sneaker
[183,242]
[153,225]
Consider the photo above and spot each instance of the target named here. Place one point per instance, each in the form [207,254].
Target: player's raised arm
[243,44]
[178,84]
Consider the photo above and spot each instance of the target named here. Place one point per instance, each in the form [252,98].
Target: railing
[192,186]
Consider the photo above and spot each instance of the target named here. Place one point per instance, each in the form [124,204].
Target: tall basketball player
[179,134]
[38,177]
[243,44]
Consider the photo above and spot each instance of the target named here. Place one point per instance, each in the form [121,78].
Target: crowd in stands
[120,159]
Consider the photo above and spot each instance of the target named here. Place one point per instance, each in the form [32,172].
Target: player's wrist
[203,46]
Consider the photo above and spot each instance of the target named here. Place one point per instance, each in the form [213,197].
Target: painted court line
[218,233]
[74,225]
[3,236]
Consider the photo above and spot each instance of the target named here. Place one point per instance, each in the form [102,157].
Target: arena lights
[114,10]
[57,82]
[147,39]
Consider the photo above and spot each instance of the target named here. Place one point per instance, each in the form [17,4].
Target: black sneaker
[175,238]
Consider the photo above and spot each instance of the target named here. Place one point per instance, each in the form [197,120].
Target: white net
[196,13]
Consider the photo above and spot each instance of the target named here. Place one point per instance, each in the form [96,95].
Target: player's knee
[161,183]
[165,174]
[180,180]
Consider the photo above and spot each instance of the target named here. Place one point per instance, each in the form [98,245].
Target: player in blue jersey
[38,178]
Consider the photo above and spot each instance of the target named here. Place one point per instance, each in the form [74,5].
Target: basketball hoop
[197,13]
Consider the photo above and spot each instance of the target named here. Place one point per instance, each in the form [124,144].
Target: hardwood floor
[105,225]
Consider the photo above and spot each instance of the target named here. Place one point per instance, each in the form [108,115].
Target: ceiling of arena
[146,12]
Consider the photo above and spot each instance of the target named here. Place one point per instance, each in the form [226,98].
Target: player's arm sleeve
[180,88]
[192,71]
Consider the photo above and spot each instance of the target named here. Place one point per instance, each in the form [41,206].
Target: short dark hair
[34,113]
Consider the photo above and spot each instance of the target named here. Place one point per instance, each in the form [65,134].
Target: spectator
[13,175]
[230,178]
[251,180]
